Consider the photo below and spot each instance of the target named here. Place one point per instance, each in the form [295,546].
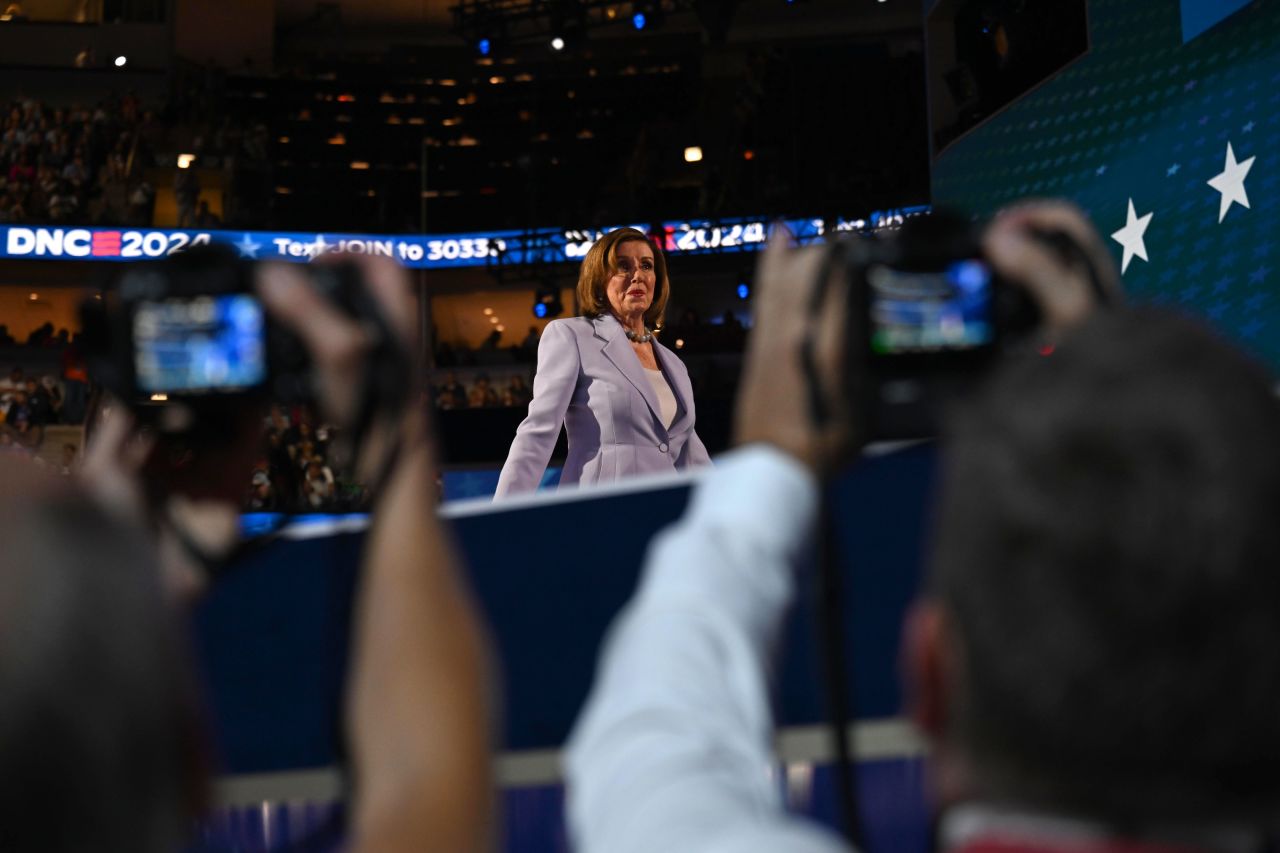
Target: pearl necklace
[638,338]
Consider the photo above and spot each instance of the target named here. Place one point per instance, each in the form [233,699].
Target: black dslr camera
[189,329]
[930,316]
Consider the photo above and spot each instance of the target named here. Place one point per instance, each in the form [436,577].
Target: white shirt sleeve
[674,749]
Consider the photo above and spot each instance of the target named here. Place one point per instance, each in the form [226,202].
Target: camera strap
[829,589]
[1071,253]
[384,389]
[819,410]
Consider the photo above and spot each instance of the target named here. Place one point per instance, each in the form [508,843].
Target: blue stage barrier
[272,634]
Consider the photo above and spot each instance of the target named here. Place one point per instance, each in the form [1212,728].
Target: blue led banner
[550,246]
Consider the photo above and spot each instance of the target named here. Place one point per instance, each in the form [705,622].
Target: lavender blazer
[590,379]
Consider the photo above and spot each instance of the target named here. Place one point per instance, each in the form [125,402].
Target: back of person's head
[97,730]
[1106,555]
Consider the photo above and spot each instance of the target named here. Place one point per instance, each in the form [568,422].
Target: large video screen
[984,54]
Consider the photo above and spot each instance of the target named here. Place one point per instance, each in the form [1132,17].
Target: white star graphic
[1131,237]
[248,248]
[1231,183]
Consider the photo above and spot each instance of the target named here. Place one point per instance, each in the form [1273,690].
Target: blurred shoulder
[564,335]
[570,327]
[571,324]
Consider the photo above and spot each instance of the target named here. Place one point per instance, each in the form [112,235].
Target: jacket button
[663,447]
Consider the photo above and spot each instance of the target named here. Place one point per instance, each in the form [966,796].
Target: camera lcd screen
[201,345]
[930,312]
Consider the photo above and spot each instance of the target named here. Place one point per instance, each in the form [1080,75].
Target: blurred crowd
[33,399]
[294,474]
[483,393]
[80,163]
[28,404]
[95,165]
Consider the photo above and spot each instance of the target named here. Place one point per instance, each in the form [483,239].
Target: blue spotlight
[743,291]
[484,46]
[539,310]
[638,20]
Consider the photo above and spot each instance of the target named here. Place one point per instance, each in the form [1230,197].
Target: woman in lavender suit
[624,398]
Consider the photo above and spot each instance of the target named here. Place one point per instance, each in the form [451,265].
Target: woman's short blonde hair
[601,263]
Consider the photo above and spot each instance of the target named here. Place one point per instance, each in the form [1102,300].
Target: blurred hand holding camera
[417,705]
[182,468]
[1059,283]
[341,346]
[112,462]
[773,399]
[112,471]
[1048,250]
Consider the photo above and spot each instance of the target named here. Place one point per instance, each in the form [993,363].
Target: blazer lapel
[618,350]
[678,377]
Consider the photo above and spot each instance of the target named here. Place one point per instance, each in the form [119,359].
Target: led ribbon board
[444,251]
